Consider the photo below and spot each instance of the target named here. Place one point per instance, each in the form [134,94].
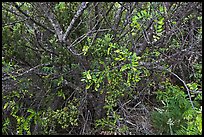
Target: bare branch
[118,16]
[83,6]
[18,8]
[13,23]
[188,91]
[27,71]
[53,20]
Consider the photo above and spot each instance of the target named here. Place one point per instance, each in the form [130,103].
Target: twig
[13,23]
[188,91]
[21,74]
[18,8]
[130,123]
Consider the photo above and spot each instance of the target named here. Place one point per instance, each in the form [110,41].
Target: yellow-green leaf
[124,67]
[88,76]
[88,86]
[6,105]
[85,49]
[108,52]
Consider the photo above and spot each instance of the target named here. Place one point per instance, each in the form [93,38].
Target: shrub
[177,115]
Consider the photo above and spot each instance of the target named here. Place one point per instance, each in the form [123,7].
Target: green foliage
[194,123]
[109,123]
[109,51]
[177,114]
[65,117]
[197,76]
[120,67]
[63,13]
[9,67]
[14,105]
[159,28]
[23,124]
[5,125]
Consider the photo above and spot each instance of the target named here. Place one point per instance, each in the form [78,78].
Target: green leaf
[85,49]
[160,23]
[117,51]
[30,110]
[128,79]
[62,5]
[161,8]
[61,94]
[112,45]
[134,69]
[124,67]
[144,12]
[118,59]
[133,34]
[135,18]
[173,22]
[139,15]
[6,105]
[108,52]
[88,86]
[159,27]
[97,86]
[199,18]
[88,75]
[134,59]
[137,25]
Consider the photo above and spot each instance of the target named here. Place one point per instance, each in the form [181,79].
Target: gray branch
[25,72]
[118,16]
[33,20]
[53,20]
[83,6]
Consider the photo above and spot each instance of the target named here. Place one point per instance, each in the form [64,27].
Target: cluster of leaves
[24,123]
[177,115]
[65,117]
[116,64]
[45,121]
[110,123]
[19,117]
